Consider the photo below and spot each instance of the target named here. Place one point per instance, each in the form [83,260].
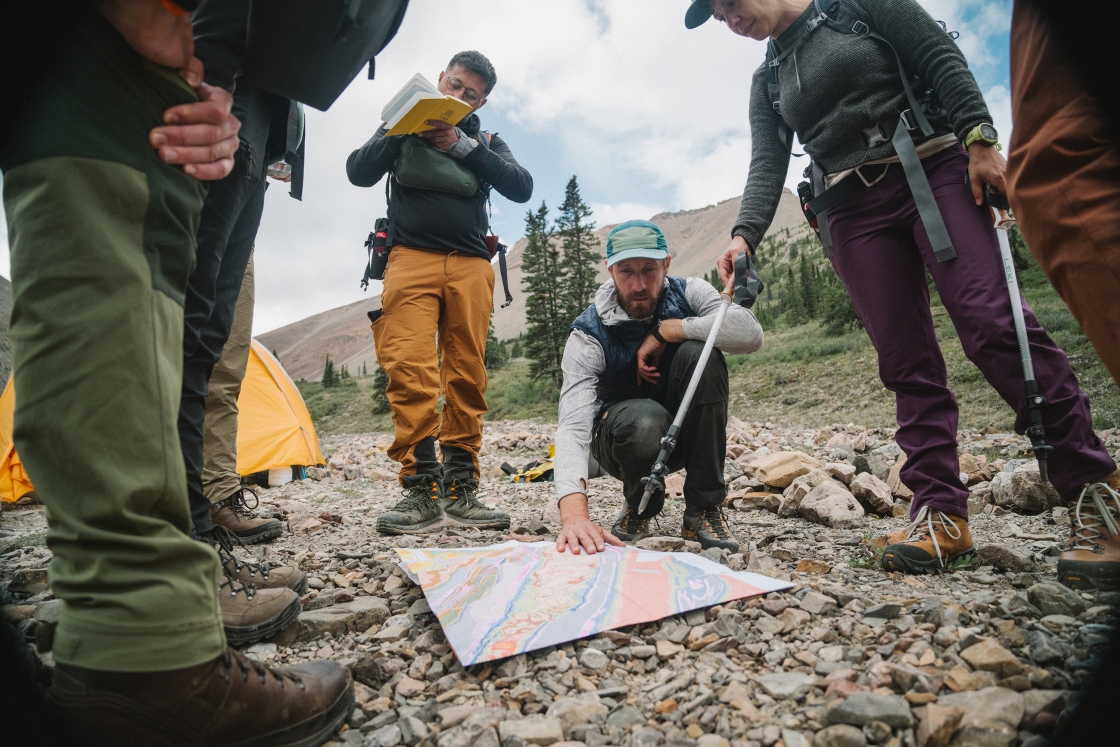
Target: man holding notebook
[439,291]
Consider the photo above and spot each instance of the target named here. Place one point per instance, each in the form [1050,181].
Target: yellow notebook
[418,102]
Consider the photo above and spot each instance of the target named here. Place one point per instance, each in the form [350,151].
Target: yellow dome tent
[274,428]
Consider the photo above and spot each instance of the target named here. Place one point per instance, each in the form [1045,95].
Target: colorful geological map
[501,600]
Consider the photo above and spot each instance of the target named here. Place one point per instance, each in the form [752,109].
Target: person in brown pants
[438,293]
[1064,186]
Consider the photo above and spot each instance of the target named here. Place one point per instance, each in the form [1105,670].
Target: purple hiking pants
[881,253]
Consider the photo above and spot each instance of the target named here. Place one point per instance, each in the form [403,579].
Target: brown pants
[1064,182]
[220,479]
[431,300]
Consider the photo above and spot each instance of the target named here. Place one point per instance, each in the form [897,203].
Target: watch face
[989,133]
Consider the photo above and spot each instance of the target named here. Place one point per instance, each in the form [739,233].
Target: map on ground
[506,599]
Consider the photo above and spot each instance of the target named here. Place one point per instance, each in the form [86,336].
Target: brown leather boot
[1090,559]
[235,514]
[232,700]
[250,614]
[249,572]
[935,541]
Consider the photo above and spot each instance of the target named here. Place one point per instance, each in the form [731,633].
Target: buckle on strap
[874,135]
[909,120]
[778,106]
[860,28]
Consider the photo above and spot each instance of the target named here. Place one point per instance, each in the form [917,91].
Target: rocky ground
[984,655]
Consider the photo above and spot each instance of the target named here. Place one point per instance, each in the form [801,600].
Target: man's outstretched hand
[726,263]
[579,531]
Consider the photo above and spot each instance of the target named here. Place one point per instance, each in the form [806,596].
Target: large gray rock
[831,504]
[585,709]
[798,489]
[540,731]
[350,617]
[998,704]
[1054,599]
[872,493]
[863,708]
[386,736]
[626,717]
[1024,491]
[594,660]
[1046,649]
[786,684]
[1004,558]
[412,730]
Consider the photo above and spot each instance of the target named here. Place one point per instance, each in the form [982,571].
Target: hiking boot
[708,526]
[232,700]
[247,572]
[934,542]
[419,512]
[250,614]
[462,508]
[628,527]
[1090,559]
[235,514]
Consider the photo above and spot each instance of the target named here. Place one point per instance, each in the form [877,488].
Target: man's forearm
[573,506]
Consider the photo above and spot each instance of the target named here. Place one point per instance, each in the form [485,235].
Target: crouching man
[627,364]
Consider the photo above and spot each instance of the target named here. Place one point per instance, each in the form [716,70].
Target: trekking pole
[1004,220]
[746,286]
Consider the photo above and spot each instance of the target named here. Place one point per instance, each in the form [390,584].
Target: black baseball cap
[698,13]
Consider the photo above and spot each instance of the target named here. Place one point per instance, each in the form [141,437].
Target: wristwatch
[982,133]
[655,330]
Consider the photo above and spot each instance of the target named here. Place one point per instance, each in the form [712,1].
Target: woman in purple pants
[882,100]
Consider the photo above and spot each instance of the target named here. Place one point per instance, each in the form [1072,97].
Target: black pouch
[377,252]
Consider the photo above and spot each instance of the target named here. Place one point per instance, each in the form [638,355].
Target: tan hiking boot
[708,526]
[1090,559]
[934,542]
[249,572]
[231,700]
[236,515]
[629,527]
[250,614]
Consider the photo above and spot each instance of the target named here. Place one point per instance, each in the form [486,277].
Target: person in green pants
[101,227]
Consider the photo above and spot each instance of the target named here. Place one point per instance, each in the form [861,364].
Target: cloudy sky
[649,116]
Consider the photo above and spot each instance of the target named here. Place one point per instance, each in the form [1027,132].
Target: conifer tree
[810,297]
[329,377]
[546,304]
[380,400]
[580,262]
[793,305]
[515,349]
[838,314]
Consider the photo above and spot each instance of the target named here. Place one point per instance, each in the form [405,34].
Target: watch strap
[655,330]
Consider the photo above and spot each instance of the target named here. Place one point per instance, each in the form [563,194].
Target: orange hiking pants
[1064,182]
[430,300]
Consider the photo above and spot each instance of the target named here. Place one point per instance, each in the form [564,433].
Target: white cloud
[651,118]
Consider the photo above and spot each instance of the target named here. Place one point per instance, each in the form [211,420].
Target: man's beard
[641,307]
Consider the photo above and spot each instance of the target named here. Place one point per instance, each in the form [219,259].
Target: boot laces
[631,523]
[236,588]
[224,541]
[926,524]
[245,665]
[239,505]
[714,520]
[465,491]
[1089,527]
[417,496]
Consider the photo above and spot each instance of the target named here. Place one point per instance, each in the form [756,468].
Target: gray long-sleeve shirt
[840,84]
[584,362]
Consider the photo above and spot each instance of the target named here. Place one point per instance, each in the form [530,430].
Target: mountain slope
[696,238]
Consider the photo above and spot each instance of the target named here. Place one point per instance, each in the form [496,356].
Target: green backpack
[420,166]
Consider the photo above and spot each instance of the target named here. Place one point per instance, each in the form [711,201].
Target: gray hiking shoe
[419,512]
[628,527]
[708,526]
[461,506]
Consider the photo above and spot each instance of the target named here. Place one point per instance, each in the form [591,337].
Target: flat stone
[936,724]
[713,740]
[841,471]
[794,738]
[757,501]
[386,736]
[861,708]
[626,717]
[49,611]
[798,489]
[816,603]
[840,735]
[455,715]
[989,656]
[813,566]
[783,467]
[412,730]
[410,688]
[665,649]
[1055,599]
[783,685]
[894,481]
[349,617]
[540,731]
[594,660]
[29,581]
[661,544]
[831,504]
[872,492]
[576,711]
[989,704]
[1004,558]
[885,611]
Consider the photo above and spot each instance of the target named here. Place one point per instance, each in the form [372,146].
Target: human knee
[636,433]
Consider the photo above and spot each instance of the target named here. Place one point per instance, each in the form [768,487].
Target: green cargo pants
[220,479]
[102,243]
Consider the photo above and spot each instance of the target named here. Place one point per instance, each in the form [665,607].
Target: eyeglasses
[470,95]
